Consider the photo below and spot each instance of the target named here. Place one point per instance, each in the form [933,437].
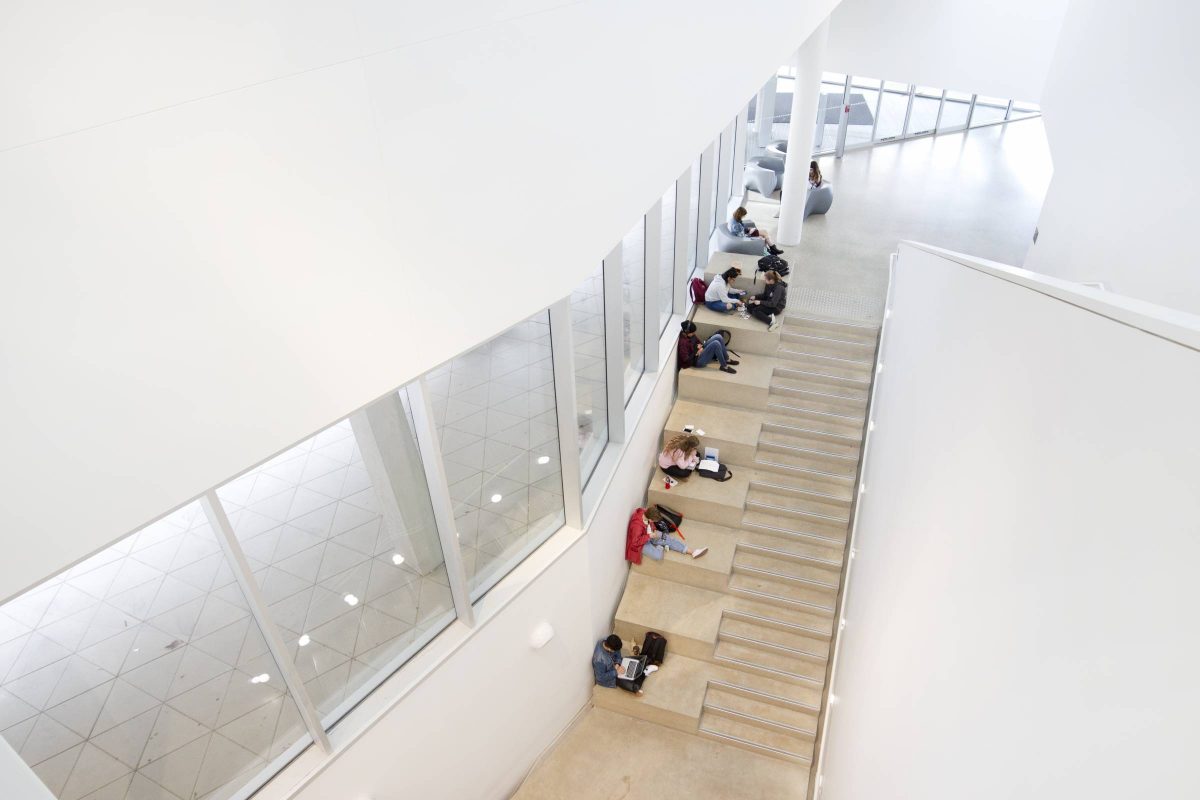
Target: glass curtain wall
[591,375]
[956,108]
[694,237]
[494,408]
[893,106]
[142,673]
[1023,110]
[926,103]
[988,110]
[829,112]
[666,262]
[633,295]
[864,105]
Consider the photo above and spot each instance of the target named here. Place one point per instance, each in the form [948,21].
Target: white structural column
[683,200]
[235,557]
[653,277]
[724,168]
[805,96]
[704,224]
[393,462]
[421,405]
[614,344]
[562,352]
[764,112]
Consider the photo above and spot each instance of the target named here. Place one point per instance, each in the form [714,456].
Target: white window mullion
[562,353]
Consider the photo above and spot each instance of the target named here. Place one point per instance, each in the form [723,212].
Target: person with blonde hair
[680,455]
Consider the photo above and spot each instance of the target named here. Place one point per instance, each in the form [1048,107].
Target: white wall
[222,234]
[1000,48]
[1121,110]
[1021,618]
[476,724]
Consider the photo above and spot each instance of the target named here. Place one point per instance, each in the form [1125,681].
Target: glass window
[893,105]
[591,375]
[864,101]
[829,109]
[1023,110]
[954,111]
[925,105]
[341,536]
[860,82]
[141,673]
[633,306]
[666,263]
[988,110]
[712,199]
[495,411]
[694,238]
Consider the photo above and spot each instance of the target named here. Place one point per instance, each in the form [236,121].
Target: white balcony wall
[1121,108]
[1001,48]
[1021,616]
[224,234]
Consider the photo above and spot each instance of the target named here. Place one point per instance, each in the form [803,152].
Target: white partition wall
[1021,617]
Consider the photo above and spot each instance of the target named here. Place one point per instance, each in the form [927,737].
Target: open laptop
[633,668]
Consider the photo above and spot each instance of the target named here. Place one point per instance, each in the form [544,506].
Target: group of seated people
[766,307]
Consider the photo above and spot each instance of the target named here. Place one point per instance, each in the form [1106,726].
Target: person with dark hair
[648,534]
[814,175]
[606,666]
[691,352]
[768,306]
[743,231]
[721,296]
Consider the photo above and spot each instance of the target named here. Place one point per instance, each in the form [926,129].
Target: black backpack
[769,262]
[654,648]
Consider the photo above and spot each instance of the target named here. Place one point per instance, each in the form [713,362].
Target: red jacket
[636,536]
[685,351]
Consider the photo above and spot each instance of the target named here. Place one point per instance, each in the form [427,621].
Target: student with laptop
[613,671]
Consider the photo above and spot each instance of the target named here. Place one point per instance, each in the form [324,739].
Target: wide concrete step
[740,733]
[827,345]
[818,517]
[836,477]
[822,380]
[761,710]
[748,388]
[747,336]
[808,325]
[779,467]
[734,432]
[800,358]
[771,635]
[807,396]
[782,568]
[793,411]
[765,588]
[816,500]
[821,553]
[768,663]
[798,432]
[709,572]
[789,527]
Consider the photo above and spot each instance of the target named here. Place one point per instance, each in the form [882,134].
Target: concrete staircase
[749,624]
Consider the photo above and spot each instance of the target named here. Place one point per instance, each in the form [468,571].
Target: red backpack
[698,288]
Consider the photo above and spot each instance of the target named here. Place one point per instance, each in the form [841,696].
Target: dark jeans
[762,313]
[713,348]
[677,472]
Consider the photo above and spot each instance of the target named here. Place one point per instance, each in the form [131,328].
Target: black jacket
[774,298]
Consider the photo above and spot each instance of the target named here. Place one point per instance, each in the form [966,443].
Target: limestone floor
[977,192]
[607,756]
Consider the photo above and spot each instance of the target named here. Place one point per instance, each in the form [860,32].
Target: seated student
[606,666]
[721,296]
[691,352]
[680,455]
[643,538]
[739,229]
[815,178]
[768,306]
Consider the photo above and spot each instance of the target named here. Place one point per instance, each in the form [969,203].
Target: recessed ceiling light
[397,559]
[304,640]
[351,600]
[260,678]
[543,459]
[496,498]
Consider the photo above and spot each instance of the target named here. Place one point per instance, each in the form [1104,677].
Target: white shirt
[718,290]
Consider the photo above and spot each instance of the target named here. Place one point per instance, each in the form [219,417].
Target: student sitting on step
[606,666]
[691,352]
[720,295]
[768,306]
[680,455]
[644,538]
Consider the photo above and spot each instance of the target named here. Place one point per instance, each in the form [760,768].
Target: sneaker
[776,323]
[733,362]
[650,670]
[775,251]
[730,370]
[700,552]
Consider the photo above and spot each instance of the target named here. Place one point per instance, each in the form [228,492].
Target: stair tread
[819,441]
[827,552]
[820,383]
[796,570]
[763,631]
[789,526]
[815,599]
[777,744]
[830,471]
[801,722]
[810,502]
[807,671]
